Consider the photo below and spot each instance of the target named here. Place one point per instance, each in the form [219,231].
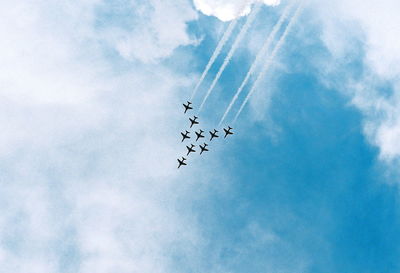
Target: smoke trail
[215,54]
[258,58]
[270,59]
[219,47]
[235,45]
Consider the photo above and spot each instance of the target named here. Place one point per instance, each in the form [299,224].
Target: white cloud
[89,143]
[227,10]
[156,29]
[368,29]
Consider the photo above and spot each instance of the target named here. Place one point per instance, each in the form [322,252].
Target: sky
[91,95]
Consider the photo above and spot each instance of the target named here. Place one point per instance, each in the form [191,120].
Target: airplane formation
[199,134]
[266,55]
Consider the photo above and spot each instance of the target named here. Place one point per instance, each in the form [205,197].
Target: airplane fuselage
[213,134]
[185,136]
[199,135]
[187,106]
[190,149]
[181,162]
[228,132]
[203,148]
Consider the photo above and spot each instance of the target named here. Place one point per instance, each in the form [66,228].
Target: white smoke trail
[260,55]
[270,59]
[219,47]
[235,45]
[215,54]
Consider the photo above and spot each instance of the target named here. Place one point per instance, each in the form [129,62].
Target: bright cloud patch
[148,30]
[80,193]
[375,91]
[227,10]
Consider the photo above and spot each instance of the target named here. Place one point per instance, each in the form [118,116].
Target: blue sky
[91,95]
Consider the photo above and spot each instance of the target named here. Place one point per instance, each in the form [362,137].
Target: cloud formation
[88,146]
[367,30]
[150,30]
[226,10]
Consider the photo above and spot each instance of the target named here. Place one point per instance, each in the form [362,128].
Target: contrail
[270,59]
[219,47]
[258,58]
[235,45]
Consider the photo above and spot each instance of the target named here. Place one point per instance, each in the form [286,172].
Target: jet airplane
[181,162]
[193,121]
[190,149]
[185,136]
[213,134]
[228,131]
[203,148]
[187,106]
[199,134]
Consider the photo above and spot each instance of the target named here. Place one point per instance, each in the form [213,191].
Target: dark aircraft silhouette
[228,131]
[187,106]
[199,135]
[181,162]
[190,149]
[203,148]
[193,121]
[213,134]
[185,136]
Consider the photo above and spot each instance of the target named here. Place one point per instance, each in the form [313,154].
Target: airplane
[187,106]
[185,136]
[203,148]
[199,135]
[213,134]
[193,121]
[228,132]
[190,149]
[181,162]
